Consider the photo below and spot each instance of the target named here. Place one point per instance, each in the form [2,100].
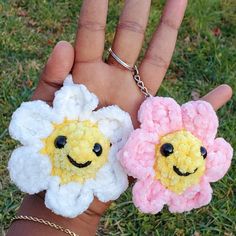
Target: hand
[109,81]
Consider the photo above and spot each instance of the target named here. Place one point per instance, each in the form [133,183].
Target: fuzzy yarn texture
[69,149]
[174,155]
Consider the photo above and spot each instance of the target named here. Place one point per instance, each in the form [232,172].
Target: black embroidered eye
[167,149]
[60,141]
[203,152]
[97,149]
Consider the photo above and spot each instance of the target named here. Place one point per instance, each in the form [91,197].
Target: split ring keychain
[135,72]
[175,154]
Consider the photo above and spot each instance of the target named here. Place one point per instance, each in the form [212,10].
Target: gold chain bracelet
[45,222]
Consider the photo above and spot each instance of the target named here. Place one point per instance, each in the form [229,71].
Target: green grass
[30,28]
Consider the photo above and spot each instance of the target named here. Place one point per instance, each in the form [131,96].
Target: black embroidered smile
[178,172]
[79,165]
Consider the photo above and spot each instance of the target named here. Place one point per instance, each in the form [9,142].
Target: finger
[57,68]
[219,96]
[158,56]
[89,44]
[130,30]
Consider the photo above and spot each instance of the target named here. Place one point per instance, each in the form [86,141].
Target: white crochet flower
[69,149]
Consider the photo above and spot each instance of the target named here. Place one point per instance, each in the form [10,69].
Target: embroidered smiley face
[180,161]
[77,150]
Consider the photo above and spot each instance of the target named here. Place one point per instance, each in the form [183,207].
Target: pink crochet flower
[174,155]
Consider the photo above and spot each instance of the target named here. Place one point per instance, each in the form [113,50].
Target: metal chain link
[45,222]
[140,83]
[135,72]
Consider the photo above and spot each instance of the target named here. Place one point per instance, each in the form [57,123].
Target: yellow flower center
[77,150]
[179,163]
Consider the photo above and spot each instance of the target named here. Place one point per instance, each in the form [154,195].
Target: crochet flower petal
[160,115]
[72,136]
[194,197]
[68,200]
[138,155]
[31,122]
[218,159]
[110,182]
[149,196]
[114,123]
[74,101]
[29,170]
[200,119]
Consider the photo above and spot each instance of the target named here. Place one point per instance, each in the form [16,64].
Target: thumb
[219,96]
[57,68]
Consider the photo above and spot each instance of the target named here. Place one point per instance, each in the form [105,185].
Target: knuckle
[131,26]
[46,78]
[91,26]
[157,61]
[47,82]
[170,24]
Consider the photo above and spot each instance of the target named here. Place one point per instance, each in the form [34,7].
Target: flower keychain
[174,154]
[69,149]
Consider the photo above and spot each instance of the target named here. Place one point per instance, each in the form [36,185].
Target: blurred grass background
[205,57]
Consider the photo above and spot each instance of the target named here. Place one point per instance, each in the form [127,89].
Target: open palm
[112,83]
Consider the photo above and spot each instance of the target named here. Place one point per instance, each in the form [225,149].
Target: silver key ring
[134,70]
[121,62]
